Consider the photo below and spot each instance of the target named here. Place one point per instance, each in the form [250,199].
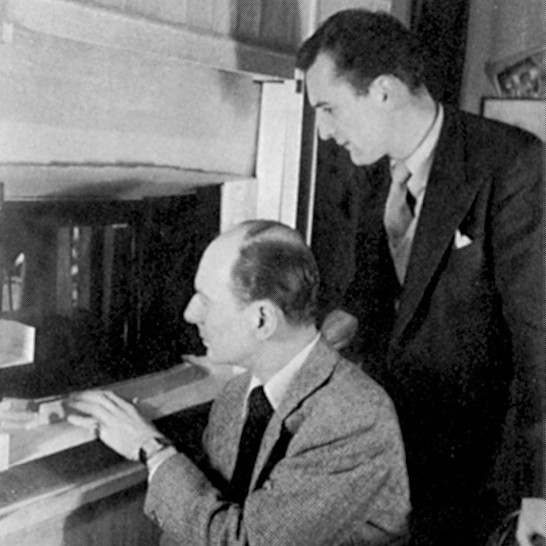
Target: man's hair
[365,45]
[274,263]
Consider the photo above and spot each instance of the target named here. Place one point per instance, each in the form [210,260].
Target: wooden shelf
[40,182]
[159,394]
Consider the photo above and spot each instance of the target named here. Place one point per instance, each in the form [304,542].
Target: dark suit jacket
[330,469]
[463,359]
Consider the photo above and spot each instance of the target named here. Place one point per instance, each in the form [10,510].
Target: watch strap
[152,447]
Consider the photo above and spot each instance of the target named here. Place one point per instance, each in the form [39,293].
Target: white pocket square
[461,240]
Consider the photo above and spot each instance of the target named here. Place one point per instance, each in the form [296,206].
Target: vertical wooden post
[4,451]
[279,148]
[2,251]
[62,272]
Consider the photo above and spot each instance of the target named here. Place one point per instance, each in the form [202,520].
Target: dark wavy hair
[365,45]
[274,263]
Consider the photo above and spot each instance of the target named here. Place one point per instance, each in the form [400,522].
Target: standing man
[447,294]
[302,449]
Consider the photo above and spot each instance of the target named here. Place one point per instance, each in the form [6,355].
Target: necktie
[398,211]
[259,414]
[398,216]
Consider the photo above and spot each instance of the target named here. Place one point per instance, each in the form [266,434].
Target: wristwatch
[152,447]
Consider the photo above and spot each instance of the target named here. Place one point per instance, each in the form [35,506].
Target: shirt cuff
[158,459]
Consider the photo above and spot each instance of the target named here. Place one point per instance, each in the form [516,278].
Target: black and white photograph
[272,273]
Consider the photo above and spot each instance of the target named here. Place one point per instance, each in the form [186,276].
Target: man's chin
[214,358]
[359,159]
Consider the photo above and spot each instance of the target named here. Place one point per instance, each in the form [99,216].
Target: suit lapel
[448,197]
[315,371]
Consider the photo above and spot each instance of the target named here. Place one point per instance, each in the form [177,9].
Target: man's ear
[266,318]
[384,90]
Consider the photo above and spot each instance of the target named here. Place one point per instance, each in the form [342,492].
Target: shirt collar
[277,386]
[423,154]
[421,158]
[424,151]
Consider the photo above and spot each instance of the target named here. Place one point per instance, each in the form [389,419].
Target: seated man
[318,460]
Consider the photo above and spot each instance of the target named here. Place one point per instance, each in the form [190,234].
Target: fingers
[116,422]
[106,408]
[102,406]
[103,398]
[117,401]
[84,422]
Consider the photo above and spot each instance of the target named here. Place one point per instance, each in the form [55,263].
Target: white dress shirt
[276,387]
[419,164]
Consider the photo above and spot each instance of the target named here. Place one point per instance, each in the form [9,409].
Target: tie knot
[259,407]
[400,173]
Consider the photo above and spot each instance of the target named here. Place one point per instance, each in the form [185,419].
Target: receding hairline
[251,232]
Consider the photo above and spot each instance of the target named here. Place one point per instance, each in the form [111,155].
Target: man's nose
[191,313]
[325,127]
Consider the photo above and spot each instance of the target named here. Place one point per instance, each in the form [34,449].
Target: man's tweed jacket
[331,468]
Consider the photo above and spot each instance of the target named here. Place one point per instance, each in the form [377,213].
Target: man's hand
[119,425]
[339,328]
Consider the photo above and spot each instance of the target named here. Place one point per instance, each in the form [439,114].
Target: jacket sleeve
[518,253]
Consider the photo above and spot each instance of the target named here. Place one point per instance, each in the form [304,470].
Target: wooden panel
[68,102]
[274,23]
[223,20]
[175,12]
[170,11]
[150,35]
[46,497]
[199,13]
[281,25]
[247,22]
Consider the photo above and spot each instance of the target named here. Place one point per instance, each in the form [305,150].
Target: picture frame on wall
[528,114]
[520,77]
